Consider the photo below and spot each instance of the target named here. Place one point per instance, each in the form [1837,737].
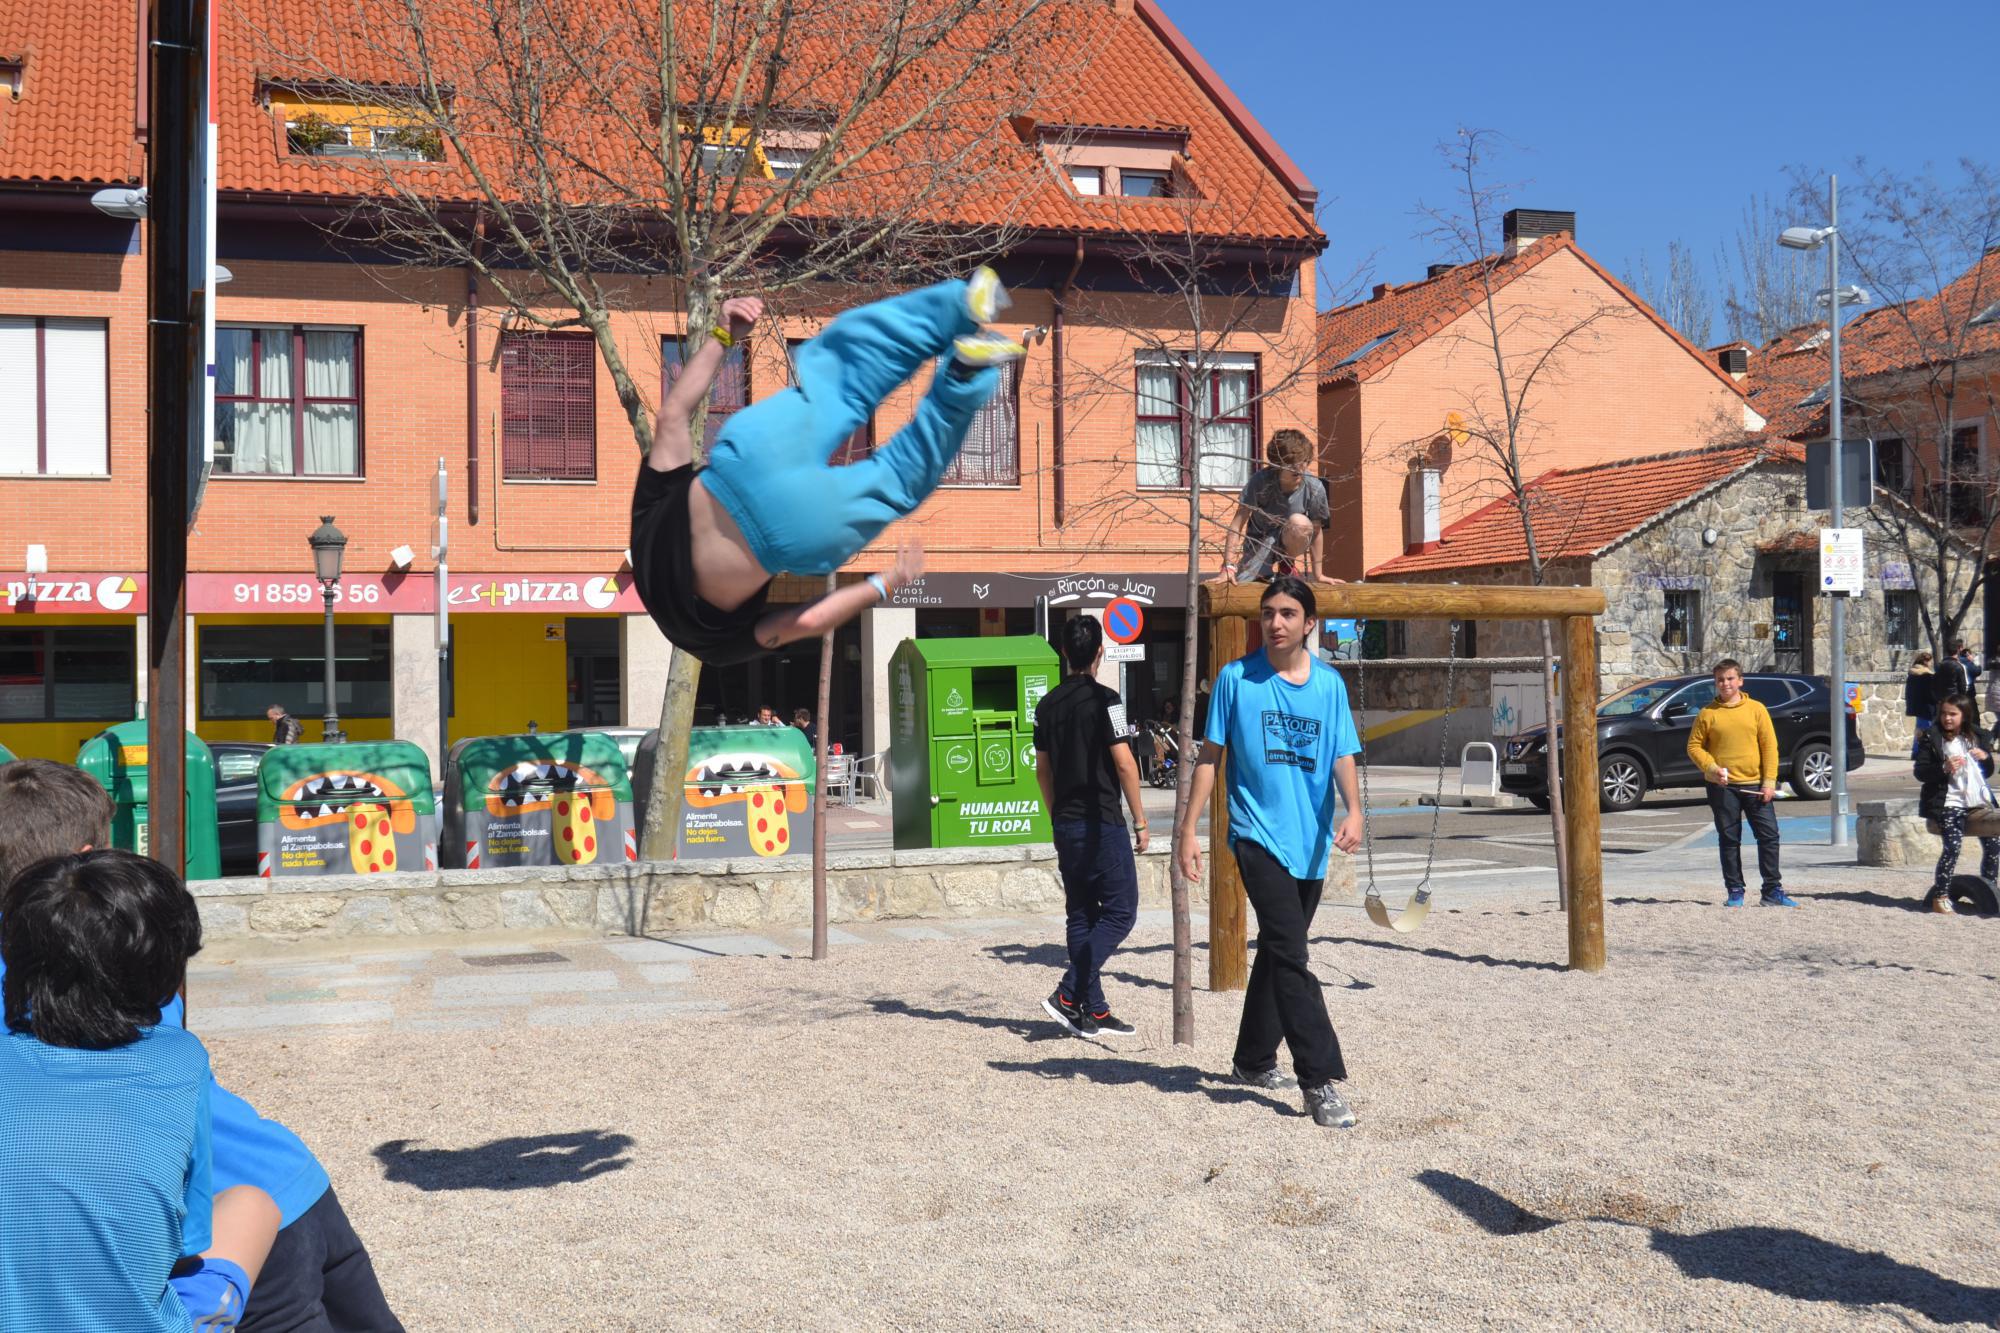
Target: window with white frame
[1218,403]
[1086,180]
[287,401]
[53,397]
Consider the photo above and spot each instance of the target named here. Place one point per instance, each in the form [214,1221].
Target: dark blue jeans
[1101,889]
[1731,806]
[318,1280]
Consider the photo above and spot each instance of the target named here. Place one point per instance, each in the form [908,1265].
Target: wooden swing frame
[1229,607]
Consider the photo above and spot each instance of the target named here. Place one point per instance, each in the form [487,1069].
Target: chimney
[1735,360]
[1382,289]
[1522,227]
[1422,509]
[1435,269]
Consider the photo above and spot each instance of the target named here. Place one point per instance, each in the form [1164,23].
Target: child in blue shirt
[104,1165]
[276,1215]
[1282,716]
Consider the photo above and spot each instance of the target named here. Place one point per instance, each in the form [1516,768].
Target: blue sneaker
[1778,899]
[1735,898]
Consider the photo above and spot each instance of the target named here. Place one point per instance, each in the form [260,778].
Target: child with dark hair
[1084,763]
[1954,760]
[706,541]
[316,1274]
[104,1168]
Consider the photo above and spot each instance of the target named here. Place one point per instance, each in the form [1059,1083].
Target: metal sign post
[441,552]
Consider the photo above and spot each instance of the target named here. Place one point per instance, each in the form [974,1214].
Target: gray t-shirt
[1270,505]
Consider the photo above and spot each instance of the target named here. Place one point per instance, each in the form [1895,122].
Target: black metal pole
[330,725]
[173,346]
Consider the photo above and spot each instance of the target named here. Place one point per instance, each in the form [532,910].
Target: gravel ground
[1752,1119]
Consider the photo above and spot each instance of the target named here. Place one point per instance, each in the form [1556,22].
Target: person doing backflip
[707,540]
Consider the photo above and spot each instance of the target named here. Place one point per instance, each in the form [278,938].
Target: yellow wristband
[723,336]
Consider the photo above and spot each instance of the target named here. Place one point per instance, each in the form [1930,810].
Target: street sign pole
[1836,502]
[441,552]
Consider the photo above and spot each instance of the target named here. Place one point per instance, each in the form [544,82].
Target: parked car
[236,802]
[1642,736]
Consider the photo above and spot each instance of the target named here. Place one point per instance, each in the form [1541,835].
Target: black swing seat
[1972,896]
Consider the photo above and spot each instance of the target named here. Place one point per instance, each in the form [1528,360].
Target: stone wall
[652,897]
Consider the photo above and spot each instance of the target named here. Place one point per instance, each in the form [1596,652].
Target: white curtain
[74,375]
[259,435]
[1159,441]
[332,432]
[1226,446]
[18,403]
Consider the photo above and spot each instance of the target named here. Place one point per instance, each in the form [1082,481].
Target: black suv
[1642,736]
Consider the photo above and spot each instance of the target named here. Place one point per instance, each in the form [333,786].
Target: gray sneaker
[1269,1078]
[1328,1108]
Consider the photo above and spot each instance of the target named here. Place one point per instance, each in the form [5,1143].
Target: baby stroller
[1162,766]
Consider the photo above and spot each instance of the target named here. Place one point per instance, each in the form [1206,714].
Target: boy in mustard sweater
[1736,749]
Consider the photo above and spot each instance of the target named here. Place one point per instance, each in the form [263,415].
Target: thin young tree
[1197,309]
[1764,293]
[1921,370]
[601,161]
[1525,348]
[1679,294]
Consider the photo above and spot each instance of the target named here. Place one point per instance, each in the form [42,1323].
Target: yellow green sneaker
[985,349]
[985,297]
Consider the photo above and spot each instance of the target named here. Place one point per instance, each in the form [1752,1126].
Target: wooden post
[1228,947]
[1580,794]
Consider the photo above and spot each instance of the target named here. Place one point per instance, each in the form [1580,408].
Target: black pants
[1284,1000]
[1951,823]
[318,1280]
[1101,891]
[1731,806]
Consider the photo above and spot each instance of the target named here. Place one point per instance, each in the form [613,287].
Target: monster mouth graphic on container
[326,798]
[532,785]
[771,791]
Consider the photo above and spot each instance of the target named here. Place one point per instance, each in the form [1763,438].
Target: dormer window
[341,124]
[10,78]
[779,154]
[1107,162]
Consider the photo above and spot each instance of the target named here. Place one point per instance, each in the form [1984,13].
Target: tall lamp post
[1814,238]
[329,547]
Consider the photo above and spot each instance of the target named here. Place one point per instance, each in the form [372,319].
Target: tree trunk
[659,839]
[819,786]
[1552,710]
[1183,890]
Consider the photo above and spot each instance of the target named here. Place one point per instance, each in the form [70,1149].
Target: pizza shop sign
[75,594]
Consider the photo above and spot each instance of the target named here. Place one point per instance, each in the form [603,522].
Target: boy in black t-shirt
[1083,761]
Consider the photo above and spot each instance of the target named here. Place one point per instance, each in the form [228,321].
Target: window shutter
[73,364]
[19,405]
[992,452]
[548,407]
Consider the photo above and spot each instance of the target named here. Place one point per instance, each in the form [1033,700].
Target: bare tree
[1765,290]
[602,160]
[1680,295]
[1209,322]
[1528,347]
[1922,368]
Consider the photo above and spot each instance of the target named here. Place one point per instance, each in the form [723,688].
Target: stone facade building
[1702,554]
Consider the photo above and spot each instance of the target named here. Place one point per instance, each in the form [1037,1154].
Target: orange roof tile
[1583,511]
[74,121]
[1885,340]
[1359,341]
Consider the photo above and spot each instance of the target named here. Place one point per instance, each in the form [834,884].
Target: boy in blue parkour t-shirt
[317,1275]
[104,1165]
[1282,717]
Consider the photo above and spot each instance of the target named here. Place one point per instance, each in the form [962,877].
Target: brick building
[1410,410]
[342,385]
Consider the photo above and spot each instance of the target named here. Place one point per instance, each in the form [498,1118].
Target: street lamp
[329,547]
[1833,297]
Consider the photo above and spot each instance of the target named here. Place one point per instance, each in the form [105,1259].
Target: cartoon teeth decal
[329,798]
[771,789]
[531,785]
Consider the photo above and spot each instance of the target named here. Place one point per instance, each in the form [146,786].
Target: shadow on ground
[1028,1029]
[529,1163]
[1483,959]
[1115,1073]
[1784,1262]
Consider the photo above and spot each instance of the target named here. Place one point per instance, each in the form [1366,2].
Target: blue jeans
[770,464]
[1101,888]
[1731,806]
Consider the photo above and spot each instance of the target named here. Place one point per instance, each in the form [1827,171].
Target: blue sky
[1652,122]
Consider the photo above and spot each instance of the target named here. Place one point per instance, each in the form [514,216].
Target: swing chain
[1444,755]
[1361,697]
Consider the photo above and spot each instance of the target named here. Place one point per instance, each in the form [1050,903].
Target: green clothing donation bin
[6,755]
[116,758]
[359,808]
[557,798]
[962,748]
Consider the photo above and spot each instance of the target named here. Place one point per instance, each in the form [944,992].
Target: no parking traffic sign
[1123,620]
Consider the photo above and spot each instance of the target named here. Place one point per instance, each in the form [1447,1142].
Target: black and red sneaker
[1065,1012]
[1104,1023]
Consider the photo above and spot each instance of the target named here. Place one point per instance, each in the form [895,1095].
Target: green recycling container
[747,791]
[6,755]
[962,747]
[358,808]
[551,798]
[116,758]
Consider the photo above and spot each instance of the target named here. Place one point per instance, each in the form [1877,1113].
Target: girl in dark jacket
[1954,759]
